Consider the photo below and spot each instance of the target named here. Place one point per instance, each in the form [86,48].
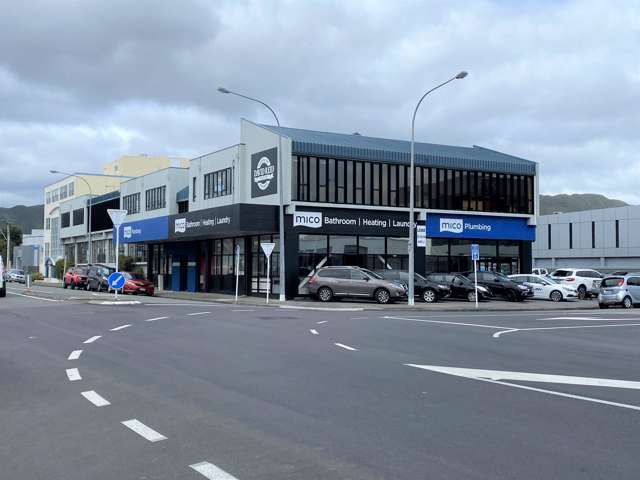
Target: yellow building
[138,165]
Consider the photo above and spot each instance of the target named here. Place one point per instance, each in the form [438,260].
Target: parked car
[339,282]
[586,281]
[427,290]
[502,286]
[460,286]
[546,288]
[76,277]
[15,275]
[97,278]
[624,291]
[135,284]
[540,271]
[3,283]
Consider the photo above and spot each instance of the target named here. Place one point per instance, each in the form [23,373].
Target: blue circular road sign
[116,280]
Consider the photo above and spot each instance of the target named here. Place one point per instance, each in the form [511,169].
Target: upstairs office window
[155,198]
[78,216]
[65,220]
[218,183]
[131,203]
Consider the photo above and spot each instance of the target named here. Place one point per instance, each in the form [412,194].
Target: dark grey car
[338,282]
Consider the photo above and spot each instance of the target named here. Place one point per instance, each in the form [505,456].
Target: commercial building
[347,199]
[27,256]
[607,240]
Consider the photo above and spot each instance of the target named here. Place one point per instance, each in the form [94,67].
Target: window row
[218,184]
[371,183]
[155,198]
[60,193]
[593,235]
[131,203]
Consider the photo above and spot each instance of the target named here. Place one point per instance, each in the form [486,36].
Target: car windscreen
[562,273]
[611,282]
[132,276]
[372,274]
[463,279]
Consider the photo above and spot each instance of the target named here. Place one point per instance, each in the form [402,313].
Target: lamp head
[223,90]
[461,75]
[54,171]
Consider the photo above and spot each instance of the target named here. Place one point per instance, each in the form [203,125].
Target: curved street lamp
[280,187]
[410,292]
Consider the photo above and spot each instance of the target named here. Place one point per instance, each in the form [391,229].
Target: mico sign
[479,226]
[264,173]
[307,219]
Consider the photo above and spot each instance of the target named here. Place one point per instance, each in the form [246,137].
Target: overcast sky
[83,82]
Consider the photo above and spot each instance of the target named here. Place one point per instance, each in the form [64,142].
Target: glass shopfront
[454,255]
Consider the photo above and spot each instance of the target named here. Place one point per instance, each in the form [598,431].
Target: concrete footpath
[420,306]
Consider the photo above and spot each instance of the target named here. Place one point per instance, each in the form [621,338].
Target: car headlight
[482,289]
[443,287]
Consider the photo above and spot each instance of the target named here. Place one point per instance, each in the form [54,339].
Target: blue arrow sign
[116,280]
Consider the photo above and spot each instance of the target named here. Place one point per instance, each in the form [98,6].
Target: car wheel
[603,306]
[627,303]
[510,296]
[382,295]
[471,296]
[582,292]
[429,295]
[88,287]
[325,294]
[555,296]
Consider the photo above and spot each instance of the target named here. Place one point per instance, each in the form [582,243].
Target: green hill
[27,218]
[576,203]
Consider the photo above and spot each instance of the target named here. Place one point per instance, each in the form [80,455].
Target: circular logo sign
[263,174]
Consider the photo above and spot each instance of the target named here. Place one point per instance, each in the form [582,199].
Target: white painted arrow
[497,376]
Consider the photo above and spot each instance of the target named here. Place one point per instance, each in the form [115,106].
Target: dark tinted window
[562,273]
[334,273]
[633,282]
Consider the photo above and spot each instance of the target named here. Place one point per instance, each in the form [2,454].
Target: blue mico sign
[479,227]
[145,230]
[116,280]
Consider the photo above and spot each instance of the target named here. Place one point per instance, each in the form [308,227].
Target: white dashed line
[154,319]
[73,374]
[96,399]
[121,327]
[37,298]
[210,471]
[313,332]
[359,318]
[75,355]
[144,431]
[197,313]
[320,323]
[92,339]
[346,347]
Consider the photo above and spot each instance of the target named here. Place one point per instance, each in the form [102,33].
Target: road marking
[121,327]
[243,310]
[92,339]
[210,471]
[73,374]
[491,375]
[313,331]
[163,304]
[346,347]
[323,309]
[359,318]
[320,323]
[37,298]
[510,330]
[96,399]
[591,319]
[75,355]
[198,313]
[496,327]
[144,431]
[154,319]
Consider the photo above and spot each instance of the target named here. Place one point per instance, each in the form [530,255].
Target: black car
[502,286]
[460,286]
[426,289]
[97,278]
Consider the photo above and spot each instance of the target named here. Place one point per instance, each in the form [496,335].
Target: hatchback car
[586,281]
[460,286]
[624,291]
[135,284]
[97,278]
[545,288]
[15,275]
[339,282]
[427,290]
[76,277]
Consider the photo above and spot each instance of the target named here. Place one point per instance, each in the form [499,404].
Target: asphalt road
[219,391]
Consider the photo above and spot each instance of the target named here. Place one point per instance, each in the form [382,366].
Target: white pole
[475,278]
[117,252]
[268,276]
[237,273]
[8,247]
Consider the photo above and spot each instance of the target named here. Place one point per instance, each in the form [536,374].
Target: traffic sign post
[237,269]
[421,236]
[117,217]
[267,248]
[475,256]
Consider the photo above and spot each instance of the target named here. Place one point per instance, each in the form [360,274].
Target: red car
[76,277]
[135,283]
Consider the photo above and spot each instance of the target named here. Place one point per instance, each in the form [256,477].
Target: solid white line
[121,327]
[154,319]
[243,310]
[75,355]
[346,347]
[320,323]
[497,327]
[192,304]
[96,399]
[359,318]
[37,298]
[323,309]
[73,374]
[210,471]
[497,334]
[144,431]
[313,331]
[591,319]
[198,313]
[92,339]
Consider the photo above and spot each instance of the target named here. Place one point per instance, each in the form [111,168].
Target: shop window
[397,253]
[343,250]
[372,253]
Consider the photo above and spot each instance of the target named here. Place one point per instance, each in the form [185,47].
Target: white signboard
[117,216]
[421,236]
[267,248]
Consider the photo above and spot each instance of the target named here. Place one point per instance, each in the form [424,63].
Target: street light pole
[90,259]
[410,293]
[280,188]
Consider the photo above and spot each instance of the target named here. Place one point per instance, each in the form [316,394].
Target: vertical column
[526,260]
[291,258]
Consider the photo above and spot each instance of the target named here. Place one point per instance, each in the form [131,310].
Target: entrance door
[184,270]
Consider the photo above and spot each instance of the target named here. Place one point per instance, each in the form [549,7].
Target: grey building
[606,240]
[27,256]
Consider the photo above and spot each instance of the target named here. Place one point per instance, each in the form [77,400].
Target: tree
[16,240]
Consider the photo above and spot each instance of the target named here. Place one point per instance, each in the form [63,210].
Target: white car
[540,271]
[3,285]
[586,281]
[546,288]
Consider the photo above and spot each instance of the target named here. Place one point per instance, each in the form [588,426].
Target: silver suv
[623,290]
[335,282]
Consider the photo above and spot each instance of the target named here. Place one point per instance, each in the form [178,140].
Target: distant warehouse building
[607,240]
